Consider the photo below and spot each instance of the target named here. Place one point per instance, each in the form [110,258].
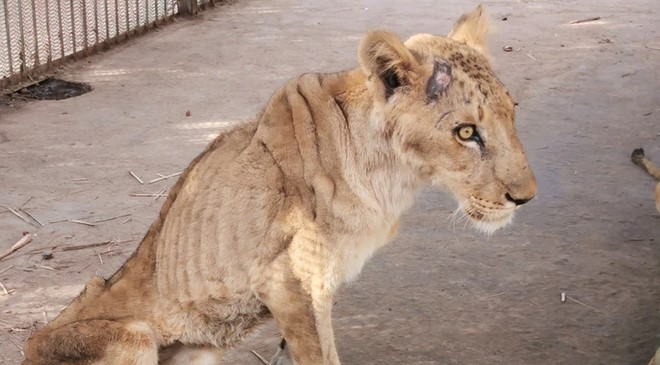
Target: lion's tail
[647,165]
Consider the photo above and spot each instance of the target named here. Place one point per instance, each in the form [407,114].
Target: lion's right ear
[471,29]
[382,55]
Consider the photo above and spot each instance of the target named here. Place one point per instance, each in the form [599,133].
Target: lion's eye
[468,132]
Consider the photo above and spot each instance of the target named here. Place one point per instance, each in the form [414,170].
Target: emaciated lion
[280,211]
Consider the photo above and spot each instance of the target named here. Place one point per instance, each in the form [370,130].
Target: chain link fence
[37,35]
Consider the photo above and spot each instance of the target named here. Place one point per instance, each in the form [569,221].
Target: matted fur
[278,212]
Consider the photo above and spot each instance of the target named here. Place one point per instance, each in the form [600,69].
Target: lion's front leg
[302,310]
[308,336]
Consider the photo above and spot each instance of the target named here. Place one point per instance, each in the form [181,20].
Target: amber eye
[466,132]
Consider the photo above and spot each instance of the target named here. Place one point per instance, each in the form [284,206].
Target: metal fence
[37,35]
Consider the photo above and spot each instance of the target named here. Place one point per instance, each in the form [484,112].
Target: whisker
[455,217]
[466,215]
[452,219]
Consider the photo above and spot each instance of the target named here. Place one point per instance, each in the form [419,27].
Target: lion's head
[450,118]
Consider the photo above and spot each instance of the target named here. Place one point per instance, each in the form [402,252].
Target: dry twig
[261,358]
[22,242]
[136,177]
[16,329]
[3,288]
[160,193]
[89,245]
[163,177]
[27,201]
[17,345]
[81,222]
[45,267]
[585,20]
[113,218]
[31,216]
[583,304]
[17,213]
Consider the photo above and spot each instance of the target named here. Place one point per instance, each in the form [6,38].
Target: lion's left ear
[383,55]
[471,29]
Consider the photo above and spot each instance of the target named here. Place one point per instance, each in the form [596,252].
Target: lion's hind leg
[94,342]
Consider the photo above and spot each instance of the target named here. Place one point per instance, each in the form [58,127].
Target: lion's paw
[282,356]
[637,155]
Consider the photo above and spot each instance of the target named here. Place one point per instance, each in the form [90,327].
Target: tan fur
[655,360]
[277,213]
[472,29]
[639,159]
[651,168]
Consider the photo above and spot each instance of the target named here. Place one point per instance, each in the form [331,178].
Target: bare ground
[439,294]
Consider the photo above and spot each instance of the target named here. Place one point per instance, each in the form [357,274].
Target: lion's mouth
[486,216]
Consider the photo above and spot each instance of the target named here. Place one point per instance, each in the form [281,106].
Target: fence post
[187,7]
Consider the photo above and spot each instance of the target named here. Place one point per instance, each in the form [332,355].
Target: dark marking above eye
[439,81]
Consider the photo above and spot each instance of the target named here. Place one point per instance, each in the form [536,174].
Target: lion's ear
[383,55]
[471,29]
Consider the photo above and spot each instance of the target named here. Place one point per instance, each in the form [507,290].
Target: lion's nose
[518,201]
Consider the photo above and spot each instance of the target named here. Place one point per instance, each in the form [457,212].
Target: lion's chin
[489,227]
[488,222]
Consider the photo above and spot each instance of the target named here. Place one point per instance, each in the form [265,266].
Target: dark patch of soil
[54,89]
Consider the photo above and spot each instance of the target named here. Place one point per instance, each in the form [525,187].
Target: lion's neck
[376,173]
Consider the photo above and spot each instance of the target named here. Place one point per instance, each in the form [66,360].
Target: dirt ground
[439,294]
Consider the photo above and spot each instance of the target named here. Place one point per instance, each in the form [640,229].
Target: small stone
[507,49]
